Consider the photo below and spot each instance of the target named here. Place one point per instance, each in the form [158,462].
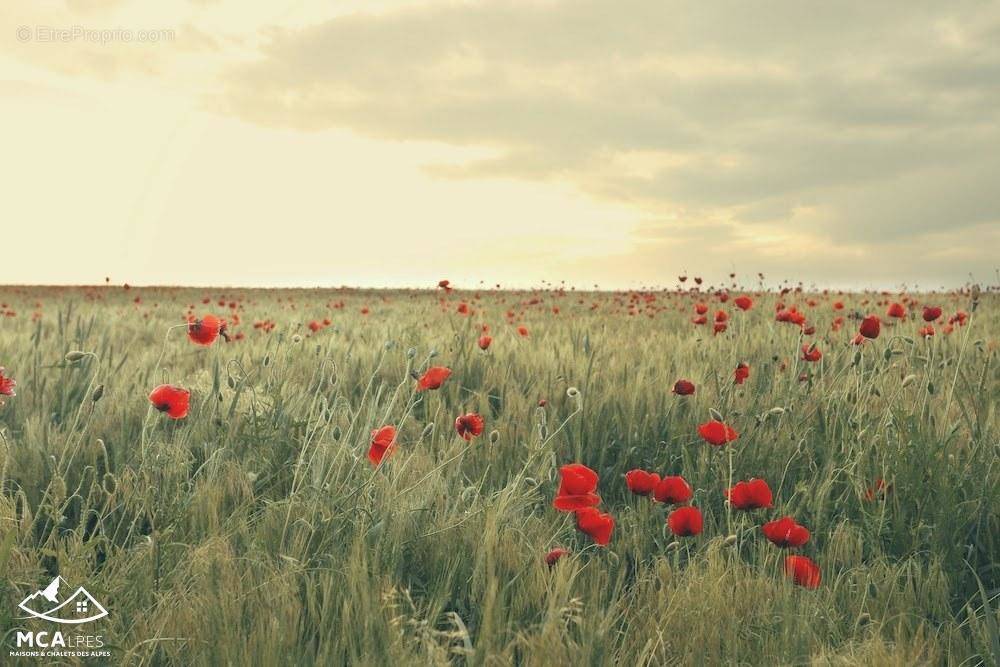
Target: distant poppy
[485,342]
[171,399]
[701,319]
[810,352]
[750,495]
[880,489]
[383,442]
[595,523]
[685,521]
[433,378]
[717,433]
[741,373]
[803,571]
[672,490]
[522,330]
[743,302]
[576,488]
[683,388]
[553,556]
[925,331]
[444,284]
[785,532]
[700,308]
[838,305]
[640,482]
[463,308]
[858,339]
[469,425]
[870,326]
[896,310]
[931,313]
[721,316]
[205,330]
[6,384]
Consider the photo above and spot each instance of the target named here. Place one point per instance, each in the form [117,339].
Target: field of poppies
[701,475]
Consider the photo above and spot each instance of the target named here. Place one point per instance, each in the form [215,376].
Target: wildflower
[485,341]
[896,310]
[672,490]
[803,571]
[785,532]
[383,442]
[717,433]
[870,326]
[640,482]
[552,557]
[741,373]
[750,495]
[743,302]
[576,488]
[683,388]
[810,352]
[469,425]
[685,521]
[6,385]
[171,399]
[595,523]
[433,378]
[205,330]
[931,313]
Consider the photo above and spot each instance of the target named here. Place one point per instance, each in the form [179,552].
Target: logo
[80,607]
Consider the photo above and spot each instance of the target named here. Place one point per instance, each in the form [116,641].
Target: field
[256,530]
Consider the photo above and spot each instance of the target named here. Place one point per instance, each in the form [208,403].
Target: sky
[391,143]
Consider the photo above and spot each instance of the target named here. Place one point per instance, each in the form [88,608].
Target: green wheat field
[257,531]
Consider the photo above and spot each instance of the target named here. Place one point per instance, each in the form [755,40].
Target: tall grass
[256,531]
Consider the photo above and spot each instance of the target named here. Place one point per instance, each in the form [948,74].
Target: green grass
[255,531]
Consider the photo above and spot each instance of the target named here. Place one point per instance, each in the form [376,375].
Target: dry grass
[256,531]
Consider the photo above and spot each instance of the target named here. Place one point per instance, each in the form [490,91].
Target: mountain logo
[80,607]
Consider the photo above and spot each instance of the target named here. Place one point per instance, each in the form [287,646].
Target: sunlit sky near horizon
[391,143]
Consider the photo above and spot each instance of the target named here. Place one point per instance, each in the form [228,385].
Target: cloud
[881,117]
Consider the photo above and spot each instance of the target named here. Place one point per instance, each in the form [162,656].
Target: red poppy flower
[858,339]
[552,557]
[595,523]
[721,316]
[463,308]
[784,532]
[6,384]
[803,571]
[522,330]
[718,327]
[743,302]
[685,521]
[640,482]
[383,442]
[896,310]
[485,342]
[700,308]
[171,399]
[931,313]
[444,284]
[810,352]
[925,331]
[717,433]
[741,373]
[683,388]
[701,319]
[880,489]
[870,326]
[576,488]
[469,425]
[751,495]
[433,378]
[672,490]
[838,305]
[205,330]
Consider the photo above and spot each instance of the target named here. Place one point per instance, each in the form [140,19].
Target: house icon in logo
[80,607]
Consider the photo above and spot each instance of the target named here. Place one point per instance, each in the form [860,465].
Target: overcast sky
[395,143]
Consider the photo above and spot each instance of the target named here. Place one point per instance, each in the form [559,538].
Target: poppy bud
[776,411]
[231,381]
[428,430]
[75,355]
[908,380]
[494,436]
[109,483]
[336,433]
[673,546]
[864,619]
[296,339]
[930,388]
[410,353]
[251,477]
[715,414]
[857,357]
[267,360]
[729,541]
[98,393]
[573,392]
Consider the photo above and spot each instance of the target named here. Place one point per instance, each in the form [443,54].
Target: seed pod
[98,393]
[109,483]
[75,355]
